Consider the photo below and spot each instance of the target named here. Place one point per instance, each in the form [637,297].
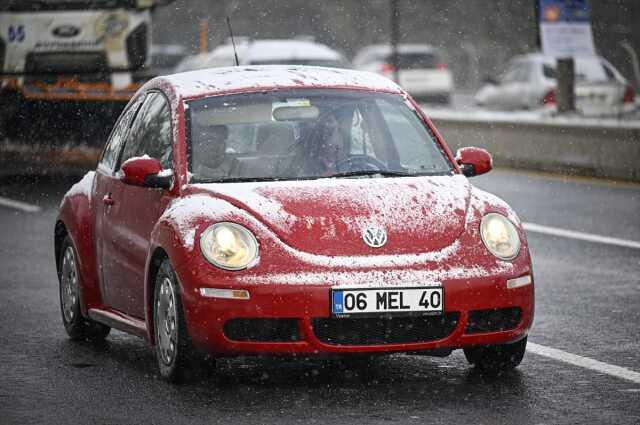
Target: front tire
[177,359]
[77,326]
[499,358]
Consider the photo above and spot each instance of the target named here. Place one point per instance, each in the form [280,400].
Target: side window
[118,135]
[151,132]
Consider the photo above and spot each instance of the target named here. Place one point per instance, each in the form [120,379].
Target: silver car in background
[421,69]
[267,52]
[530,83]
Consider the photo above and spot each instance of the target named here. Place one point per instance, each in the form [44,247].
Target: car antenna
[233,42]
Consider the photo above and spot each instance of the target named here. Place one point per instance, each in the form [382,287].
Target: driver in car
[326,146]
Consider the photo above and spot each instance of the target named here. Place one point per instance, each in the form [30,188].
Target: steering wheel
[359,163]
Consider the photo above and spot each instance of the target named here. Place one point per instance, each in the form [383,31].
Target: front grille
[262,330]
[82,66]
[384,330]
[496,319]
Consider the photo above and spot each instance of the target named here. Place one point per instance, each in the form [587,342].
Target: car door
[106,183]
[134,210]
[512,86]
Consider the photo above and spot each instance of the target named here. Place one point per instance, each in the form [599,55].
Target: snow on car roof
[228,79]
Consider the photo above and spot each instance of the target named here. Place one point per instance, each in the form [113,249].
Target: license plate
[376,302]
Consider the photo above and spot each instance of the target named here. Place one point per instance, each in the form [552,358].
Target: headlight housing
[229,246]
[500,236]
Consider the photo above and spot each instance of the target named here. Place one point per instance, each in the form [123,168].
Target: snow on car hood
[328,216]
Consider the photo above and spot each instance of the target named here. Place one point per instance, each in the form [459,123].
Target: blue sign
[338,302]
[573,11]
[565,28]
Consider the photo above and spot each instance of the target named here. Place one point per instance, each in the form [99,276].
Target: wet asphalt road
[587,303]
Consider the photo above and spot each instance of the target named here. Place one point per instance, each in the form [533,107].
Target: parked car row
[528,83]
[421,68]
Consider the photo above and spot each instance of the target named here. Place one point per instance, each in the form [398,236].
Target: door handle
[108,200]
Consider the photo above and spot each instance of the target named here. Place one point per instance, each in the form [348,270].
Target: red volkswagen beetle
[290,210]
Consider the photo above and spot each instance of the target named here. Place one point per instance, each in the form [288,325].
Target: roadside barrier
[605,150]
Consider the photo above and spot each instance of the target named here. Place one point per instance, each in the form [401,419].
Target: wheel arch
[156,258]
[75,220]
[59,234]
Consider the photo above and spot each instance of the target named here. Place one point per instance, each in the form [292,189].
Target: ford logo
[66,31]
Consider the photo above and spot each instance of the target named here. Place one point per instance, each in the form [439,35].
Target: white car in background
[530,83]
[421,70]
[266,52]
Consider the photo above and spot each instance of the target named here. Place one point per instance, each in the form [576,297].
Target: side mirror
[474,161]
[145,172]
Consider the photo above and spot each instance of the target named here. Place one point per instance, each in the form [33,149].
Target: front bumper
[304,304]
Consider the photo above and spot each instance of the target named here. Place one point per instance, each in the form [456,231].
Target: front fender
[76,214]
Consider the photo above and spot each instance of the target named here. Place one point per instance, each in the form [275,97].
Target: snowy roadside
[21,159]
[629,120]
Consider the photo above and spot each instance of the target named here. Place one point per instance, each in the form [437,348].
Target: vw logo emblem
[374,236]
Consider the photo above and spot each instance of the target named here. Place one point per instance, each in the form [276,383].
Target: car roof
[274,49]
[260,50]
[213,81]
[402,48]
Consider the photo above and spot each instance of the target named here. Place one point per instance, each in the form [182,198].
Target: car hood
[329,216]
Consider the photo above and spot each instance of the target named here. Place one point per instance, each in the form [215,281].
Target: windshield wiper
[236,179]
[384,173]
[389,173]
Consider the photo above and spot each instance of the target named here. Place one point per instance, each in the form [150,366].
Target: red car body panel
[433,227]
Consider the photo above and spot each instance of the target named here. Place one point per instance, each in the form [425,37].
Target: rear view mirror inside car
[296,113]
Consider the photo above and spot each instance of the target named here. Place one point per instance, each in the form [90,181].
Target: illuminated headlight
[500,236]
[229,246]
[111,25]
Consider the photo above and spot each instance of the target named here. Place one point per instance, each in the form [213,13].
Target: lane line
[572,234]
[585,362]
[17,205]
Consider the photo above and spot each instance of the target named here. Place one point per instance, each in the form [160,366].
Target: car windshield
[416,60]
[303,134]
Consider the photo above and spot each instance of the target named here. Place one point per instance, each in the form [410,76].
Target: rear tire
[177,359]
[499,358]
[77,326]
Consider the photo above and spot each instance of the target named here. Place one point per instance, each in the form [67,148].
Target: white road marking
[555,231]
[584,362]
[17,205]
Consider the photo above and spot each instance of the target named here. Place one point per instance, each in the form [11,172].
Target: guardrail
[598,148]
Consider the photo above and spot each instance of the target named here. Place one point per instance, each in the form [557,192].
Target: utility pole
[536,18]
[565,75]
[395,35]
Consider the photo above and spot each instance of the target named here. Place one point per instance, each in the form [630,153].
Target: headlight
[229,246]
[500,236]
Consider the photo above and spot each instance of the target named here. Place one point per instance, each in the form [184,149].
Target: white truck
[72,50]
